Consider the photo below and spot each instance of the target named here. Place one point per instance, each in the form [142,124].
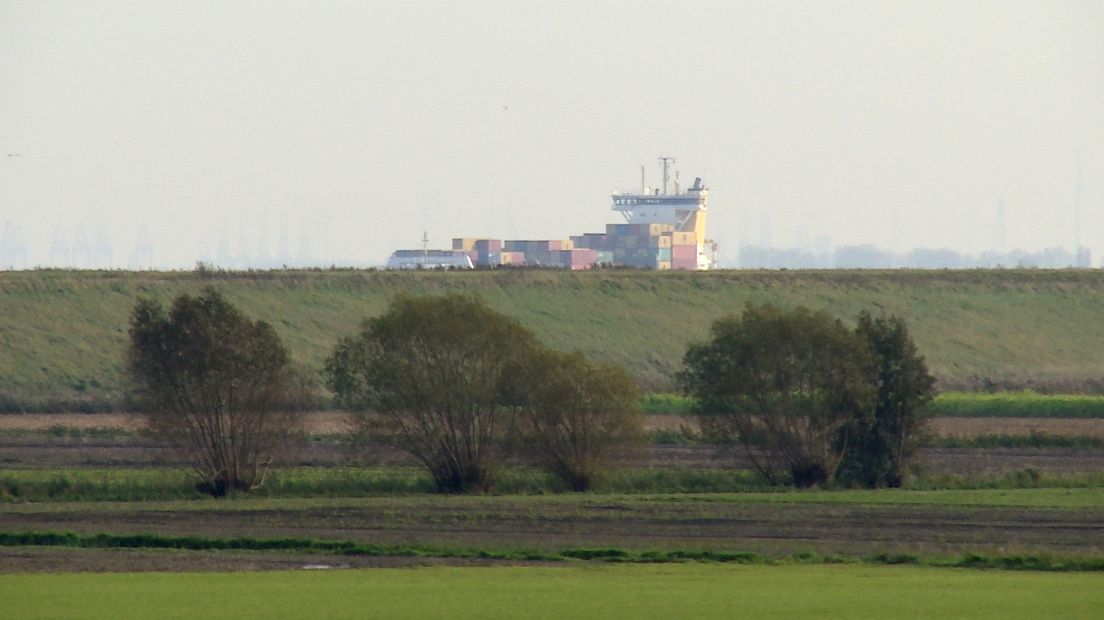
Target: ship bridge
[685,210]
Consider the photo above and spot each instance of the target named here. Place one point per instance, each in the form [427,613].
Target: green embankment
[576,591]
[62,333]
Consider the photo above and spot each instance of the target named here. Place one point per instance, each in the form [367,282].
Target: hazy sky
[347,128]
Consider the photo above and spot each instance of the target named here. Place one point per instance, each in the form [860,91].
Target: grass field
[662,591]
[1020,404]
[127,484]
[63,333]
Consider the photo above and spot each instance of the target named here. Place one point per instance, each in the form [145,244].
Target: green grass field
[1017,404]
[636,591]
[127,484]
[63,333]
[1025,404]
[1068,498]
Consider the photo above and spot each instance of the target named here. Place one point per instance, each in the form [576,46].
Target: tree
[786,385]
[577,415]
[432,374]
[216,385]
[881,444]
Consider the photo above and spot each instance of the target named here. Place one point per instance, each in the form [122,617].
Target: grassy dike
[62,333]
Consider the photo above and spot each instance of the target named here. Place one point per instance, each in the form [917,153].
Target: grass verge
[146,484]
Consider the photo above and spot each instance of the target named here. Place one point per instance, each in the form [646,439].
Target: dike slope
[63,333]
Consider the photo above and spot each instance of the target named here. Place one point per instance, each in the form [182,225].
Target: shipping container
[466,244]
[684,251]
[684,238]
[685,264]
[488,245]
[653,230]
[584,256]
[661,241]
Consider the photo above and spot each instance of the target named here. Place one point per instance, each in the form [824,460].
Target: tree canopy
[577,416]
[433,374]
[216,384]
[881,443]
[784,384]
[809,399]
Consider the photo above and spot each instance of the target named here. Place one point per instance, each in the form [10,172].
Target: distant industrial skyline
[74,247]
[158,135]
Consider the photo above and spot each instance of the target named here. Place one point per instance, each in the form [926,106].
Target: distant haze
[155,134]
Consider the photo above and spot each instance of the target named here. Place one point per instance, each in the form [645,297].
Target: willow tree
[577,416]
[787,385]
[215,384]
[433,376]
[881,444]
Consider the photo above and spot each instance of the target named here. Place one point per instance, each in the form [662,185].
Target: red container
[583,256]
[684,252]
[689,264]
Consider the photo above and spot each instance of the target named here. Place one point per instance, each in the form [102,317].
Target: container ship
[661,230]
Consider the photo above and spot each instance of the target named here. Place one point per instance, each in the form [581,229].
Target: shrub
[577,416]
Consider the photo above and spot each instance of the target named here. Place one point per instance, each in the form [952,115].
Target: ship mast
[666,163]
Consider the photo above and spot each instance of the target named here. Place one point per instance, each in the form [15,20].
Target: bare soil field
[324,423]
[974,427]
[691,523]
[48,452]
[71,560]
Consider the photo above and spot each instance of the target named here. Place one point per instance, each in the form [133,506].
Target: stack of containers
[465,244]
[684,251]
[538,253]
[578,258]
[513,258]
[639,245]
[646,246]
[488,252]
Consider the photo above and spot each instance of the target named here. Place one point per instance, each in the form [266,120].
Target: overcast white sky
[347,128]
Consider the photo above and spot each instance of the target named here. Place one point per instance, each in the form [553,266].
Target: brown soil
[70,560]
[503,523]
[317,423]
[83,421]
[973,427]
[46,451]
[322,423]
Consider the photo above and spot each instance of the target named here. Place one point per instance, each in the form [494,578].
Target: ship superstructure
[662,230]
[684,211]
